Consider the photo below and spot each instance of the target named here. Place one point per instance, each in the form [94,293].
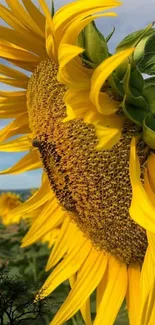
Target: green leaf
[149,130]
[136,79]
[135,114]
[95,44]
[110,35]
[147,63]
[149,93]
[138,40]
[116,85]
[81,40]
[133,88]
[140,48]
[133,39]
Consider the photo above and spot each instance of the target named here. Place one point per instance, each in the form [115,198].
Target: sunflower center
[92,186]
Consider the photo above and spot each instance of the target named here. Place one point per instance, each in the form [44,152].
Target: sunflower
[8,202]
[101,206]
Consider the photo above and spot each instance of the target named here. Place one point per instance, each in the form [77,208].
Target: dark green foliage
[17,304]
[27,270]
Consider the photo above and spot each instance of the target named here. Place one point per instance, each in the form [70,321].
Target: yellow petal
[108,128]
[149,187]
[70,12]
[86,312]
[102,72]
[147,289]
[88,278]
[18,126]
[10,19]
[22,41]
[35,13]
[109,132]
[99,292]
[62,243]
[85,308]
[141,210]
[12,73]
[151,167]
[11,111]
[38,199]
[133,293]
[50,217]
[114,293]
[13,82]
[12,104]
[28,162]
[77,25]
[14,95]
[50,237]
[50,46]
[29,66]
[108,105]
[151,241]
[71,72]
[18,145]
[50,25]
[8,52]
[69,265]
[21,14]
[78,104]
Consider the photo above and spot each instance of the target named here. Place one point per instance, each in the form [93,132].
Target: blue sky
[132,15]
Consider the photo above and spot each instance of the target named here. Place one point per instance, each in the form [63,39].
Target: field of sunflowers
[29,263]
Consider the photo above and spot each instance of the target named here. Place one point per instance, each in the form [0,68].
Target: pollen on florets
[92,186]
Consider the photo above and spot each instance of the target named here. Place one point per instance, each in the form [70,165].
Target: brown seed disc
[93,186]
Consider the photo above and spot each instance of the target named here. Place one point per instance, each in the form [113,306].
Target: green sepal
[133,88]
[81,40]
[94,43]
[87,62]
[136,79]
[147,62]
[149,93]
[134,113]
[134,38]
[149,130]
[140,47]
[137,40]
[110,35]
[52,9]
[115,84]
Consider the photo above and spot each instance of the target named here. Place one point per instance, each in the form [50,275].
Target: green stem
[74,321]
[34,267]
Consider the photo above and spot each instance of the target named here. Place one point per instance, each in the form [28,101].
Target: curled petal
[141,210]
[102,72]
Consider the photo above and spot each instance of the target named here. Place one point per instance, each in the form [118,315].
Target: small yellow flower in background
[96,201]
[8,202]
